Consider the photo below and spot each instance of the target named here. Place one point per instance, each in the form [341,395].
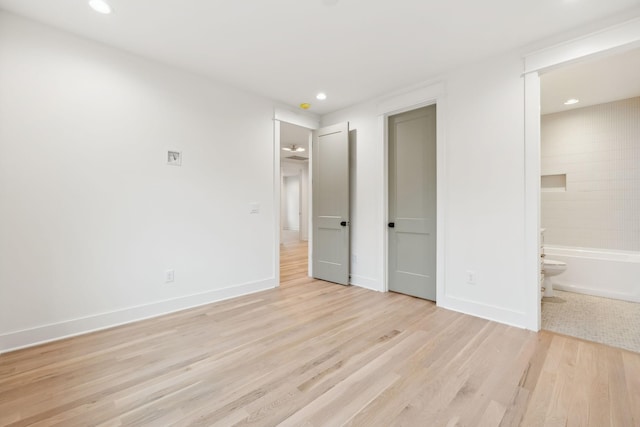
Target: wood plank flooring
[317,354]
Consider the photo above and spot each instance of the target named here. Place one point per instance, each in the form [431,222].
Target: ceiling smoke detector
[294,148]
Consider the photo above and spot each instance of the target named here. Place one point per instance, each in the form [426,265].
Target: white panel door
[330,181]
[412,203]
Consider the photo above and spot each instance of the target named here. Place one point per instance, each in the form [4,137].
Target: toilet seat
[551,268]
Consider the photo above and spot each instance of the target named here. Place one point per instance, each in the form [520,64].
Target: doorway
[590,143]
[412,202]
[290,205]
[294,153]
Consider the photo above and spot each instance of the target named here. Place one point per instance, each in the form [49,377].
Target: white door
[412,203]
[330,182]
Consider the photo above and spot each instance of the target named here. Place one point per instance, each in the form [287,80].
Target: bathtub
[600,272]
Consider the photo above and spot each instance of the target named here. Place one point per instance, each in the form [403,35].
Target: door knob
[392,224]
[343,223]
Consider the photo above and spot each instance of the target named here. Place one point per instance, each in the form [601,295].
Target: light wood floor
[318,354]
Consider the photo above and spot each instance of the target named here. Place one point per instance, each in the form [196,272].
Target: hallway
[293,261]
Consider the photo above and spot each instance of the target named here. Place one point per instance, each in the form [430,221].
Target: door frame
[306,121]
[612,40]
[426,115]
[417,98]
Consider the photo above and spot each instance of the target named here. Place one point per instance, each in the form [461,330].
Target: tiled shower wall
[598,148]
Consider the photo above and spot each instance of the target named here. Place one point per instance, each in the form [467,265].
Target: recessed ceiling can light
[571,101]
[321,96]
[100,6]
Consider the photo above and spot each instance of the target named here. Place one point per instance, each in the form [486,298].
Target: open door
[412,203]
[330,180]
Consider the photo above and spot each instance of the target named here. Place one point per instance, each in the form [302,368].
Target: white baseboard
[42,334]
[484,311]
[365,282]
[570,287]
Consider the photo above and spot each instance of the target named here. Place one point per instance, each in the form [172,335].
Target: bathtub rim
[593,253]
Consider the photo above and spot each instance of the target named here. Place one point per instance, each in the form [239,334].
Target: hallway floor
[293,261]
[603,320]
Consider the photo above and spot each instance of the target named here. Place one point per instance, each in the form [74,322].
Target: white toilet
[551,268]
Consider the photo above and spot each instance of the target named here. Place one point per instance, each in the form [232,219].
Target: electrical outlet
[471,277]
[169,275]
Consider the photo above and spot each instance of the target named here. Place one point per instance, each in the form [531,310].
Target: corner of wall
[485,311]
[366,283]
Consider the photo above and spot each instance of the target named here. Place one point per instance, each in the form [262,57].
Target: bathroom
[590,200]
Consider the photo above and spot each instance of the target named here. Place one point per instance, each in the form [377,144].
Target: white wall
[305,185]
[292,202]
[484,190]
[91,216]
[598,149]
[300,169]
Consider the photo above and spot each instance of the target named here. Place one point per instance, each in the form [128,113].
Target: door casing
[429,95]
[415,222]
[311,123]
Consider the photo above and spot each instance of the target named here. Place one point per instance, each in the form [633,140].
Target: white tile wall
[598,148]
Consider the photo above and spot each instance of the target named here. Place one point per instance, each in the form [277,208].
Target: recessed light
[571,101]
[321,96]
[100,6]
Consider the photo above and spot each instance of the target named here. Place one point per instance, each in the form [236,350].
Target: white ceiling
[592,82]
[294,135]
[288,50]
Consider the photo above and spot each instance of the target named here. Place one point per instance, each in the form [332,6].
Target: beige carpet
[607,321]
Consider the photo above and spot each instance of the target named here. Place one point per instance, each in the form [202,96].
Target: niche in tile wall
[554,183]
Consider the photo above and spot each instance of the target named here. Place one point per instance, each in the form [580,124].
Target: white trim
[298,118]
[441,198]
[532,201]
[417,98]
[384,252]
[303,121]
[277,184]
[619,37]
[366,282]
[56,331]
[411,100]
[485,311]
[310,208]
